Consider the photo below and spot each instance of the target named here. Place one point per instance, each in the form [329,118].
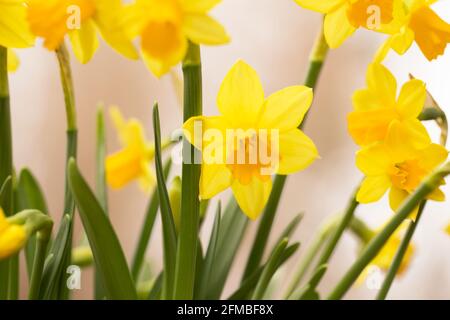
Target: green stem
[360,229]
[390,276]
[317,58]
[190,204]
[377,243]
[6,160]
[346,218]
[69,203]
[318,242]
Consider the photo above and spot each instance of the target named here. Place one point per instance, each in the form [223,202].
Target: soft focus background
[275,38]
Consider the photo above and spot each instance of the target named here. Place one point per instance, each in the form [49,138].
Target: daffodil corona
[344,17]
[80,19]
[12,237]
[166,26]
[418,22]
[252,139]
[377,108]
[133,161]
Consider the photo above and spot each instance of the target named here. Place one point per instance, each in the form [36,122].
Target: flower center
[53,19]
[162,34]
[407,175]
[253,154]
[370,14]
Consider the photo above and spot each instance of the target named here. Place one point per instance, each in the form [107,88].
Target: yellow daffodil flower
[166,26]
[393,166]
[377,107]
[422,25]
[14,31]
[448,229]
[383,261]
[252,139]
[13,61]
[133,161]
[12,237]
[80,19]
[344,17]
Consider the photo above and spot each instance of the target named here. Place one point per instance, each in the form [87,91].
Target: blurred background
[275,38]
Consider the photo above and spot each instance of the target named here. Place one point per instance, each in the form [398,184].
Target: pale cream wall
[274,37]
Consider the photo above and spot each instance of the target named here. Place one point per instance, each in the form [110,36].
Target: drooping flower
[377,107]
[14,31]
[421,24]
[166,26]
[12,237]
[392,165]
[384,259]
[252,139]
[80,20]
[133,161]
[344,17]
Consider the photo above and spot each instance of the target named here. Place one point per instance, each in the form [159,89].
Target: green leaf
[53,269]
[308,292]
[291,227]
[4,189]
[243,292]
[108,255]
[231,232]
[211,255]
[147,226]
[269,270]
[155,292]
[168,225]
[30,196]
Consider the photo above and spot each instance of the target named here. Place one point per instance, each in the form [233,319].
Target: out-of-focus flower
[80,19]
[421,24]
[252,139]
[166,26]
[393,166]
[377,107]
[344,17]
[12,237]
[133,161]
[14,31]
[13,61]
[448,229]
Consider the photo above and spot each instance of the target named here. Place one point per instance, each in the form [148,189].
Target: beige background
[275,38]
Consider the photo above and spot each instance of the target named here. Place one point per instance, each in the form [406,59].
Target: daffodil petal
[123,167]
[373,160]
[252,197]
[365,100]
[370,126]
[202,29]
[286,108]
[199,6]
[436,195]
[412,99]
[433,156]
[12,239]
[13,61]
[84,41]
[382,83]
[322,6]
[14,30]
[241,96]
[405,138]
[396,197]
[214,179]
[297,151]
[337,28]
[373,188]
[196,129]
